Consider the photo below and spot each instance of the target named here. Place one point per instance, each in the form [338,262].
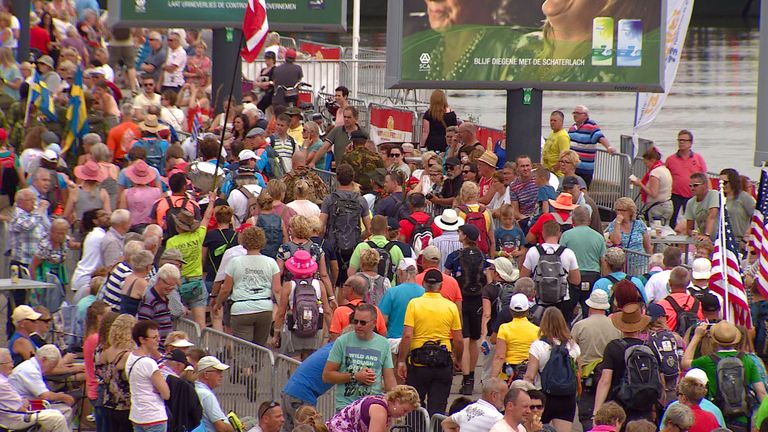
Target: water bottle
[485,348]
[14,274]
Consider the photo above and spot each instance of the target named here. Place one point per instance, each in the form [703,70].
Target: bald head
[492,385]
[581,108]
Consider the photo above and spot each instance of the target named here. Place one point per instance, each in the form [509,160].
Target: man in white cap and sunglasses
[449,241]
[210,374]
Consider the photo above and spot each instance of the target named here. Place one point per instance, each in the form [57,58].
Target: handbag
[191,289]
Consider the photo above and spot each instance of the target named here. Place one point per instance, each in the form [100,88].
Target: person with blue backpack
[552,368]
[155,146]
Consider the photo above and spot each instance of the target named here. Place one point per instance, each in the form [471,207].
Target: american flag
[728,262]
[760,234]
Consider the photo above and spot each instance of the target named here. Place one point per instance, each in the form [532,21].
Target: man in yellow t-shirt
[514,338]
[557,142]
[431,323]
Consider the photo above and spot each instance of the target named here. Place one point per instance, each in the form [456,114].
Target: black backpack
[664,345]
[170,216]
[472,278]
[685,318]
[732,396]
[386,266]
[344,221]
[558,378]
[506,291]
[640,387]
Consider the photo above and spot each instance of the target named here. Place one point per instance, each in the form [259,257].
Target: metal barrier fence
[190,328]
[329,178]
[637,262]
[250,375]
[611,178]
[435,423]
[415,421]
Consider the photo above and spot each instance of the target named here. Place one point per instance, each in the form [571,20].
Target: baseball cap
[655,311]
[173,254]
[519,303]
[701,269]
[49,137]
[709,302]
[470,231]
[24,312]
[393,223]
[290,53]
[452,161]
[3,134]
[431,253]
[570,181]
[246,154]
[407,263]
[177,355]
[208,362]
[698,374]
[50,156]
[433,276]
[254,132]
[358,134]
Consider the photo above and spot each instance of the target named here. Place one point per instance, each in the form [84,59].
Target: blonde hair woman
[435,121]
[467,203]
[301,204]
[553,332]
[12,79]
[117,395]
[569,160]
[630,233]
[376,413]
[377,284]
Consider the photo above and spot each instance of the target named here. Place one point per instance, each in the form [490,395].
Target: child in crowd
[546,193]
[509,236]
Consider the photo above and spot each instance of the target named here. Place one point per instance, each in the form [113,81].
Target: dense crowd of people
[387,268]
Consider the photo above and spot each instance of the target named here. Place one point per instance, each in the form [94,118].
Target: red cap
[290,53]
[243,227]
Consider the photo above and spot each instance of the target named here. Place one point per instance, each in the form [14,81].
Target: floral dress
[356,417]
[633,241]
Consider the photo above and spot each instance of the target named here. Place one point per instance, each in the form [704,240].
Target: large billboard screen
[283,15]
[551,44]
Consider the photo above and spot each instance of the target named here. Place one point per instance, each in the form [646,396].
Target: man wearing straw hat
[630,321]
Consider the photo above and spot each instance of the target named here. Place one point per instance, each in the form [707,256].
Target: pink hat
[90,171]
[140,173]
[301,264]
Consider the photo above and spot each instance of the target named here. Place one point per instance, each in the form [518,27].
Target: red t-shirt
[685,301]
[704,421]
[537,227]
[406,227]
[39,39]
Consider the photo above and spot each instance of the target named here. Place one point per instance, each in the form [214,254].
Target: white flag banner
[649,104]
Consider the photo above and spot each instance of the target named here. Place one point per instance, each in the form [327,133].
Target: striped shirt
[446,244]
[112,290]
[24,234]
[525,193]
[155,308]
[584,141]
[284,148]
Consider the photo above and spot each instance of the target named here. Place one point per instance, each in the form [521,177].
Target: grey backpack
[550,276]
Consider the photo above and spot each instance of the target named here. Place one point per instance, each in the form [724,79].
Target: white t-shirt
[567,259]
[177,57]
[91,259]
[542,350]
[657,287]
[15,25]
[304,207]
[503,426]
[27,379]
[141,101]
[239,202]
[232,252]
[665,184]
[146,404]
[477,417]
[174,116]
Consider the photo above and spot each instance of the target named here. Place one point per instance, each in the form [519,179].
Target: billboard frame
[116,18]
[393,70]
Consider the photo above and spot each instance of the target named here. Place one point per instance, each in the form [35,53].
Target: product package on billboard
[554,44]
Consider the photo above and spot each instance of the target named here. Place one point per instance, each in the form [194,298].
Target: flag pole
[723,252]
[226,112]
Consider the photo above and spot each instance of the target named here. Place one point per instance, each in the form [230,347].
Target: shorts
[472,317]
[199,301]
[122,54]
[290,405]
[291,345]
[559,408]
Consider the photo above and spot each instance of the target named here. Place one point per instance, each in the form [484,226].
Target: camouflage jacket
[317,188]
[364,162]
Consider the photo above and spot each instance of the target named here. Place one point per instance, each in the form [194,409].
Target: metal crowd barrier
[283,368]
[250,374]
[329,178]
[611,178]
[435,423]
[326,404]
[637,262]
[190,328]
[415,421]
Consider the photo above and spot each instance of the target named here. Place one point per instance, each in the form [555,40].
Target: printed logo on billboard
[424,60]
[141,6]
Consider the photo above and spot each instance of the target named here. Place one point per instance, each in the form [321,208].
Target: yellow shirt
[519,334]
[432,317]
[556,143]
[296,133]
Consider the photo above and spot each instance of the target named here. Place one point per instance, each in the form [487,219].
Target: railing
[611,178]
[435,423]
[328,177]
[189,327]
[415,421]
[637,262]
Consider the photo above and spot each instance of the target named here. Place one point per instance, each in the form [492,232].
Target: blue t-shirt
[501,154]
[606,284]
[509,239]
[393,305]
[306,383]
[546,192]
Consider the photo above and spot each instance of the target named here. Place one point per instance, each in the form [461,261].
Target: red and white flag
[255,29]
[726,275]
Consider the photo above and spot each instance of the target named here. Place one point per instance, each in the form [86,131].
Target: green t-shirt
[190,244]
[587,244]
[697,211]
[762,413]
[705,363]
[353,354]
[252,288]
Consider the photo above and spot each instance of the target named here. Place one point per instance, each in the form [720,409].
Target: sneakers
[468,386]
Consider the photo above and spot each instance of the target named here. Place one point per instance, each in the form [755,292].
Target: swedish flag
[77,114]
[42,98]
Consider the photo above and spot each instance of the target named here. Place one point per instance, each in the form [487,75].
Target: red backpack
[477,218]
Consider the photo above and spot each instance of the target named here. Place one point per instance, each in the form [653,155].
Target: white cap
[208,362]
[181,343]
[246,155]
[518,303]
[701,268]
[50,156]
[405,263]
[699,375]
[24,312]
